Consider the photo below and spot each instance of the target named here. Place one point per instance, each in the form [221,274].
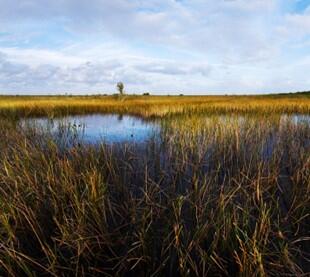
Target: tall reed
[214,196]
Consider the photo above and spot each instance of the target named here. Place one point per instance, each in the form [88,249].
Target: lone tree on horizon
[120,88]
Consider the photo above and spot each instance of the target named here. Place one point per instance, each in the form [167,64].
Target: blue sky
[160,46]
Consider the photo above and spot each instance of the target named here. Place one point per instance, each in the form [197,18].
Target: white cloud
[39,71]
[159,45]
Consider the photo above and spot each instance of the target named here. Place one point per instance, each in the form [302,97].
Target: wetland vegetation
[211,186]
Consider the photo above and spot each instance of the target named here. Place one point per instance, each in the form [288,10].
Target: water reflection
[118,128]
[97,128]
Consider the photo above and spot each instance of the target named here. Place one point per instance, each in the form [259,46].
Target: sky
[157,46]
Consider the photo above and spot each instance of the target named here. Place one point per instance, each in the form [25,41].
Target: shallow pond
[116,128]
[100,127]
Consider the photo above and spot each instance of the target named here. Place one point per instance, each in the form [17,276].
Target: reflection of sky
[297,118]
[117,128]
[113,128]
[110,128]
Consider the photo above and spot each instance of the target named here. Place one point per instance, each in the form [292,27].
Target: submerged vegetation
[213,194]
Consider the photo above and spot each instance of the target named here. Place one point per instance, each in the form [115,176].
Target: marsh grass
[214,196]
[152,106]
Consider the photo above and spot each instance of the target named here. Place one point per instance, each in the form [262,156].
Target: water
[115,128]
[100,128]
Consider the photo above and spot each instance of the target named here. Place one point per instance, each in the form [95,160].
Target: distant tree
[146,94]
[120,88]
